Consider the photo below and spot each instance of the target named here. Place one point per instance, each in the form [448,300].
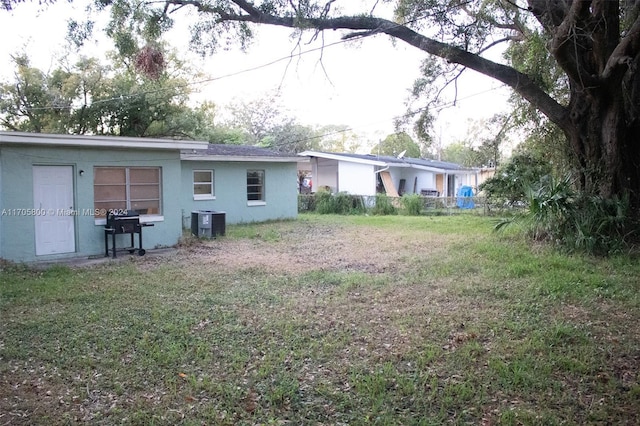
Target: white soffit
[339,157]
[90,141]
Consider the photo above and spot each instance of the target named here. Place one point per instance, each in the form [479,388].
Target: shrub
[383,206]
[550,206]
[412,204]
[509,185]
[576,221]
[340,203]
[306,202]
[324,202]
[600,226]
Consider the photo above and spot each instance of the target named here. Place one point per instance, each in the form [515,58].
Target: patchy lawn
[327,320]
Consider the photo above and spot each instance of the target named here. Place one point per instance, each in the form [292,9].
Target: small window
[127,188]
[255,186]
[203,188]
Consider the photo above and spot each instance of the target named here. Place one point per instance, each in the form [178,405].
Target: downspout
[382,170]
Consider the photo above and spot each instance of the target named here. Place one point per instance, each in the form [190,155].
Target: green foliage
[340,203]
[337,138]
[508,185]
[574,221]
[459,153]
[395,144]
[412,204]
[323,201]
[482,144]
[263,122]
[290,137]
[307,202]
[542,138]
[87,97]
[533,58]
[549,206]
[383,206]
[37,101]
[601,226]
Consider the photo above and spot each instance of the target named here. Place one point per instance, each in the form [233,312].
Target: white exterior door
[53,201]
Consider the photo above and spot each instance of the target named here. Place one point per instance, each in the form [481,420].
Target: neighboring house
[55,190]
[486,173]
[367,174]
[248,183]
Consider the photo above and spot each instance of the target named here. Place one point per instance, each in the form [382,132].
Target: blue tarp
[465,200]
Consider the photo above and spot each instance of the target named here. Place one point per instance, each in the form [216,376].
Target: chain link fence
[430,205]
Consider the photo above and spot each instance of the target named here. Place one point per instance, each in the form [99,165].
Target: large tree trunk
[605,145]
[602,68]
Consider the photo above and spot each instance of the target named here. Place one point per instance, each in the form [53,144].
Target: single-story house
[55,190]
[368,174]
[248,183]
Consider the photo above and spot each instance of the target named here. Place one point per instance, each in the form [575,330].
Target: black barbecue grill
[128,223]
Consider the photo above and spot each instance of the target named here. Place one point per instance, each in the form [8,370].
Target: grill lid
[121,217]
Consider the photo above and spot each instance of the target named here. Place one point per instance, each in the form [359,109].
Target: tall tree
[265,123]
[396,144]
[338,138]
[460,153]
[89,98]
[257,118]
[482,144]
[594,43]
[36,101]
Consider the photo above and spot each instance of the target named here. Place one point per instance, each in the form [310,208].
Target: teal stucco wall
[17,232]
[230,181]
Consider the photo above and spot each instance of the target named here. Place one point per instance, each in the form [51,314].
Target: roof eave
[428,169]
[238,158]
[91,141]
[339,157]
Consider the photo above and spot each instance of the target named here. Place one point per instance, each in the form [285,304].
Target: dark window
[255,185]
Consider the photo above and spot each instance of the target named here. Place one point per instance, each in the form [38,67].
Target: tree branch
[625,52]
[565,44]
[369,25]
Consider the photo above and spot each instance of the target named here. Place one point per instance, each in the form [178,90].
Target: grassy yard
[327,320]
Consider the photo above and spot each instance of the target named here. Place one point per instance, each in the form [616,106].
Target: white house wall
[358,179]
[425,179]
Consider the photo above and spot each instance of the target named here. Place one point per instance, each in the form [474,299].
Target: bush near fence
[411,204]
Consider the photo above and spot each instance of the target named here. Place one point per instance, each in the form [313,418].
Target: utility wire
[124,97]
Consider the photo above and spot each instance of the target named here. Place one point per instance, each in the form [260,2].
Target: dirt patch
[299,248]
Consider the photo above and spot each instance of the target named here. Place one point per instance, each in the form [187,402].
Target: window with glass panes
[203,184]
[255,185]
[135,189]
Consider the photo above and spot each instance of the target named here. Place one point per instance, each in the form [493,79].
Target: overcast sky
[360,84]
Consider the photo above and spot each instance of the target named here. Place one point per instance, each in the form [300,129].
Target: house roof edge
[94,141]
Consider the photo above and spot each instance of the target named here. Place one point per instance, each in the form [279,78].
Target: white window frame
[212,194]
[263,200]
[144,218]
